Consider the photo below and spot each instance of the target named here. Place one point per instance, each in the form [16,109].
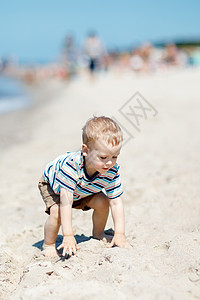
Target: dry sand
[160,170]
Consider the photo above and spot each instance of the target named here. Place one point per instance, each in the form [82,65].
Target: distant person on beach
[70,55]
[171,55]
[85,179]
[95,51]
[136,61]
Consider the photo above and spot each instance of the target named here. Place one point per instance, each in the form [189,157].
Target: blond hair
[104,128]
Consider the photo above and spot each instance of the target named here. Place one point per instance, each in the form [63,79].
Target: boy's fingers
[70,251]
[74,249]
[64,251]
[61,246]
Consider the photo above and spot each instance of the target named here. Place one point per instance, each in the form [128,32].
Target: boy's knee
[55,211]
[103,201]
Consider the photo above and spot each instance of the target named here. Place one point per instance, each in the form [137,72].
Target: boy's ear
[85,149]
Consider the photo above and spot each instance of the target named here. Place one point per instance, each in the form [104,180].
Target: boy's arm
[117,210]
[69,243]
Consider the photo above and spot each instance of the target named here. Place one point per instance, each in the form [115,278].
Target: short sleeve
[114,188]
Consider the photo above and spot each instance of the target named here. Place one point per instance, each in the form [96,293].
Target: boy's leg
[100,204]
[51,229]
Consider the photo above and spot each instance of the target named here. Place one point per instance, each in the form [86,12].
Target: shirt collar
[85,171]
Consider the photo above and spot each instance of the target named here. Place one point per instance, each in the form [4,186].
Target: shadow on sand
[79,239]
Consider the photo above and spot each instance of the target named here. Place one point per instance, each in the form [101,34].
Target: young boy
[85,179]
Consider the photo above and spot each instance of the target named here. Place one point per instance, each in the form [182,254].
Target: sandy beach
[159,165]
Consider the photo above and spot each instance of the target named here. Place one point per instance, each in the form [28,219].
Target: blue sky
[34,30]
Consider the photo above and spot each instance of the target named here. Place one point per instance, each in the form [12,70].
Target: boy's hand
[69,245]
[119,240]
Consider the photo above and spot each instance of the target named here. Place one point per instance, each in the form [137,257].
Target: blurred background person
[194,57]
[174,57]
[136,60]
[171,55]
[70,56]
[95,52]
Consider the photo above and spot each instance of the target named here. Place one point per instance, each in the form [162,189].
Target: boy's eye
[103,157]
[114,157]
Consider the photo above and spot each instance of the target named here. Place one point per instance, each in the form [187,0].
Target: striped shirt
[68,171]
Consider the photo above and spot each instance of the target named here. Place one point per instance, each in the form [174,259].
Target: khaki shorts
[50,198]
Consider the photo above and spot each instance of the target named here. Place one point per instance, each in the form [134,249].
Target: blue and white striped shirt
[68,171]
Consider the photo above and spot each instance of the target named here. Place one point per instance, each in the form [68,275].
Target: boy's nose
[109,162]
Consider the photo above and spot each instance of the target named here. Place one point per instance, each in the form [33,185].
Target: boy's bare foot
[102,236]
[49,250]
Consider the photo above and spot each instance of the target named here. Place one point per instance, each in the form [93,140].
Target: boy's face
[100,156]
